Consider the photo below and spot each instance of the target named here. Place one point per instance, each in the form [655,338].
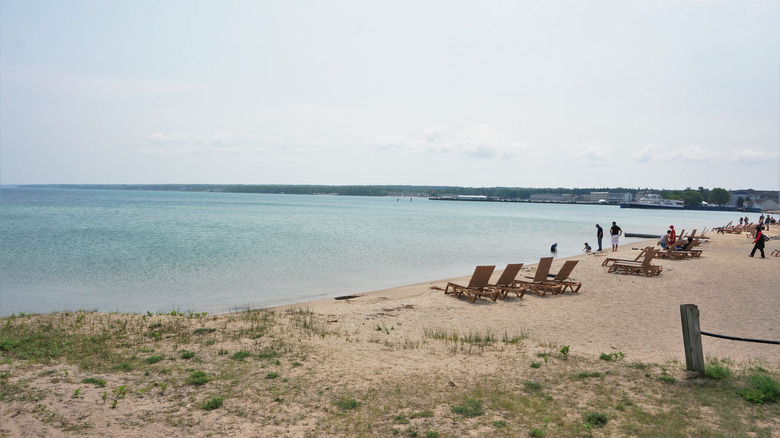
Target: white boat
[654,201]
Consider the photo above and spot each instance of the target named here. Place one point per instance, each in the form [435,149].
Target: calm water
[134,251]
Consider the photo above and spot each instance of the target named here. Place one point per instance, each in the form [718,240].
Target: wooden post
[694,357]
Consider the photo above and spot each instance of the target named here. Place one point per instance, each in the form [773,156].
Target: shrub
[596,419]
[212,404]
[153,359]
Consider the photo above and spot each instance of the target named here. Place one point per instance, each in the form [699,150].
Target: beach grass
[258,370]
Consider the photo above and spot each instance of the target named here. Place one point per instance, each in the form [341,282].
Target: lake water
[138,251]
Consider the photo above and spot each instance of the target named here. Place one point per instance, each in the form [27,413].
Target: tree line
[689,196]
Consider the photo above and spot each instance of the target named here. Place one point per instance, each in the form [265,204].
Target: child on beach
[587,247]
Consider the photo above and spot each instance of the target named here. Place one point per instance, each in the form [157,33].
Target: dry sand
[635,315]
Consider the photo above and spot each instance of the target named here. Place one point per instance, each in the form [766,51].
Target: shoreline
[636,315]
[416,289]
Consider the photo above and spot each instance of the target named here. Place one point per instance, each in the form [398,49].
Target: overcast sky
[615,93]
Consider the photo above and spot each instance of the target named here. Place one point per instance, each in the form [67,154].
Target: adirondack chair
[478,285]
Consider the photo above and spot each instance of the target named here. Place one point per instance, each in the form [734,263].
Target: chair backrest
[543,269]
[649,254]
[509,274]
[641,254]
[565,270]
[693,233]
[481,276]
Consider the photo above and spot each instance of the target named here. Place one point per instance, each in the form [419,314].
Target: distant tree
[672,194]
[740,202]
[719,196]
[692,198]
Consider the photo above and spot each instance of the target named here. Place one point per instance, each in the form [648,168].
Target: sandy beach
[640,316]
[400,344]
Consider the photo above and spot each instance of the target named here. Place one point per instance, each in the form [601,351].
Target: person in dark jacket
[599,234]
[758,244]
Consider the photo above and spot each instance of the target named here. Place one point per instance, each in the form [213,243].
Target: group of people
[614,232]
[670,241]
[762,220]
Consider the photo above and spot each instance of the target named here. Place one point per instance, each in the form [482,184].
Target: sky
[663,94]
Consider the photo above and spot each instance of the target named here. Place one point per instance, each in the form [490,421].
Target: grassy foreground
[283,373]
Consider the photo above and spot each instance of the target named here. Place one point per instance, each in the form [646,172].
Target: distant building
[769,205]
[765,199]
[610,197]
[551,197]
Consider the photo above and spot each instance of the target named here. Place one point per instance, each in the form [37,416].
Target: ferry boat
[654,201]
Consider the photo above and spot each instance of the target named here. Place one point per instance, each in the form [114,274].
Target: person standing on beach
[672,237]
[758,244]
[615,232]
[599,234]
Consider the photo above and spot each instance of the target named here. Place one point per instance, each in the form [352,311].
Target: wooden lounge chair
[775,252]
[540,285]
[607,261]
[678,253]
[478,285]
[563,274]
[645,267]
[505,283]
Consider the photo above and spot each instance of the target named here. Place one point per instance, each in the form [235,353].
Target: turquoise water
[135,251]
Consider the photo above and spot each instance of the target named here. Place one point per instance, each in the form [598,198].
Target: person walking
[758,244]
[615,232]
[599,234]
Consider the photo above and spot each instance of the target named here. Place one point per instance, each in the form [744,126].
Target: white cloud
[645,155]
[751,156]
[435,134]
[591,153]
[691,153]
[182,144]
[482,141]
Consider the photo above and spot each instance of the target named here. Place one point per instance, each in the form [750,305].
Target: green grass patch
[470,408]
[241,355]
[586,374]
[198,378]
[203,331]
[100,383]
[761,389]
[347,404]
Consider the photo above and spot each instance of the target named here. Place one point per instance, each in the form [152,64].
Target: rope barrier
[734,338]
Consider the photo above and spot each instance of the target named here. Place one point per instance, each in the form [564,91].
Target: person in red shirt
[672,237]
[758,244]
